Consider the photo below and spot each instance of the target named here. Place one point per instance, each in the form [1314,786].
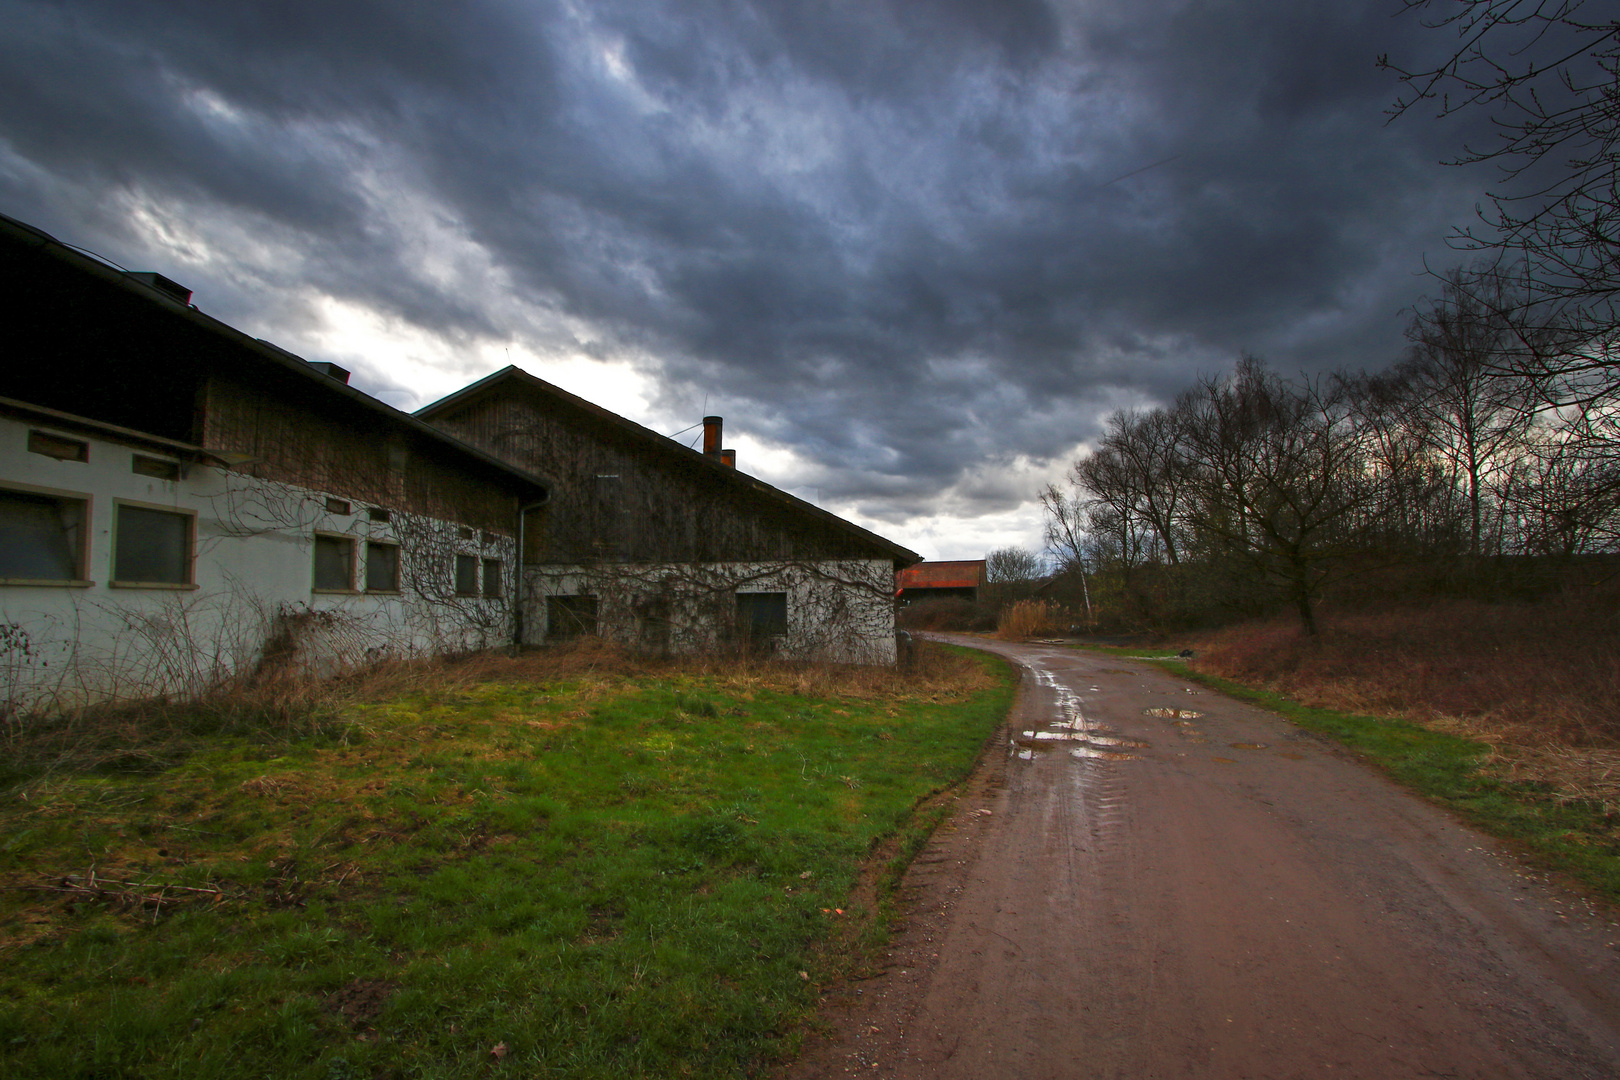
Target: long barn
[665,548]
[180,502]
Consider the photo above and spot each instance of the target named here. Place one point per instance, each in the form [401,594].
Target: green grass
[608,877]
[1573,838]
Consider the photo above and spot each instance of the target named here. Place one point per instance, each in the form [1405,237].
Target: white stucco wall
[837,610]
[253,577]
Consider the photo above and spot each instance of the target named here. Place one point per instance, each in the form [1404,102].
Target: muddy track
[1156,881]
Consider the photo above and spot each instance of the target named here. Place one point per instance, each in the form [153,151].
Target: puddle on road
[1072,731]
[1085,753]
[1247,745]
[1173,714]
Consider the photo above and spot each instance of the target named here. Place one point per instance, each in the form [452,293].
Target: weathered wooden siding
[307,444]
[616,498]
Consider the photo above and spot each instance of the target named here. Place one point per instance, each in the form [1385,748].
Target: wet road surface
[1150,880]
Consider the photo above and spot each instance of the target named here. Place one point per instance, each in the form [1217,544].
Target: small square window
[41,537]
[382,567]
[570,617]
[466,575]
[761,616]
[63,449]
[153,547]
[334,564]
[337,506]
[463,532]
[157,468]
[492,578]
[377,513]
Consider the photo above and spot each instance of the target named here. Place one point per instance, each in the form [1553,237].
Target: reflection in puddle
[1038,737]
[1174,714]
[1073,730]
[1103,755]
[1223,760]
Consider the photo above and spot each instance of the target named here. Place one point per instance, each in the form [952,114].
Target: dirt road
[1155,881]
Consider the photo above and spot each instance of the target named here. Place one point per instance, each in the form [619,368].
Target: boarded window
[492,578]
[570,617]
[43,442]
[334,563]
[337,506]
[761,616]
[382,567]
[466,575]
[157,468]
[41,537]
[153,547]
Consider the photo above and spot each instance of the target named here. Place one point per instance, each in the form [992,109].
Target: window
[155,467]
[41,537]
[761,616]
[382,567]
[492,578]
[377,513]
[466,575]
[43,442]
[464,533]
[151,547]
[337,506]
[334,563]
[570,617]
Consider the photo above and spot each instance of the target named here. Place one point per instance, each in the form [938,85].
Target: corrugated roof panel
[965,574]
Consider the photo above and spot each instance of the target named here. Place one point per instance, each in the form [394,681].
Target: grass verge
[1577,838]
[592,873]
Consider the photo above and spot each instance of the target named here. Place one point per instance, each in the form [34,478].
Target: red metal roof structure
[961,578]
[966,574]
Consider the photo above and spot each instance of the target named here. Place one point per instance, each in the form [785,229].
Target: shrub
[1027,618]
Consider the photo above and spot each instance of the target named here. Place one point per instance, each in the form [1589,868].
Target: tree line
[1271,487]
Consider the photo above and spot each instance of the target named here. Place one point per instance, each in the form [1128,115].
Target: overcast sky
[913,251]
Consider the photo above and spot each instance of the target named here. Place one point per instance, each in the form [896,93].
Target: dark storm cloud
[902,238]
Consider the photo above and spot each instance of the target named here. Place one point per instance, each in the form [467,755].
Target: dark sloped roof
[255,350]
[741,482]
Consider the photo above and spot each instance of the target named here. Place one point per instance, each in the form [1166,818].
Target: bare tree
[1066,536]
[1012,566]
[1145,450]
[1280,473]
[1548,74]
[1466,407]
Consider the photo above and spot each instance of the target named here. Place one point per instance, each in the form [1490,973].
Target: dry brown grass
[1537,682]
[1030,618]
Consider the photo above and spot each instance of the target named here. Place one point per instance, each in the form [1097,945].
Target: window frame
[396,590]
[751,632]
[83,445]
[484,566]
[169,473]
[87,503]
[190,582]
[455,575]
[316,536]
[555,600]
